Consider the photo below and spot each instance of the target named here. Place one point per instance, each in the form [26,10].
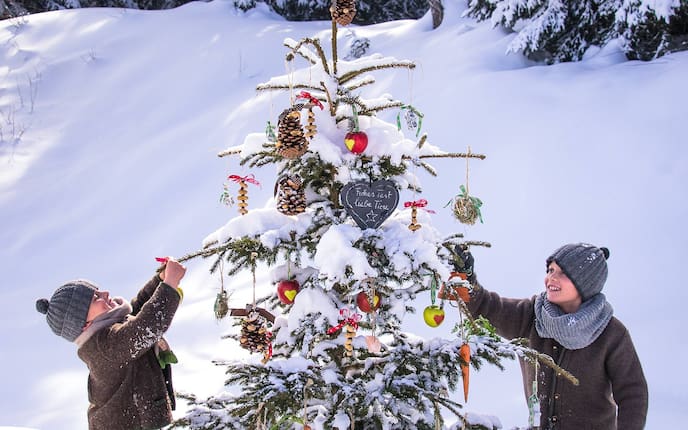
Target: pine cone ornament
[254,333]
[291,198]
[343,11]
[291,141]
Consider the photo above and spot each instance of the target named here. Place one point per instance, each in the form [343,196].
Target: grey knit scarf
[575,330]
[115,315]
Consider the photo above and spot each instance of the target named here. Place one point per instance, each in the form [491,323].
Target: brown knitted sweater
[126,386]
[612,393]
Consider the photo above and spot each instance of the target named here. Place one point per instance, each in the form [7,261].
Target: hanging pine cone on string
[291,198]
[291,141]
[254,333]
[343,11]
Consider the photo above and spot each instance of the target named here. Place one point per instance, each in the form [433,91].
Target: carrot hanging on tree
[465,354]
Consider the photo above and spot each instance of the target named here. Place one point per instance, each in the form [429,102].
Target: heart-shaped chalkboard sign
[369,203]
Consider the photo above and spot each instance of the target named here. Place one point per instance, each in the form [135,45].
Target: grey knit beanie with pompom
[584,264]
[67,309]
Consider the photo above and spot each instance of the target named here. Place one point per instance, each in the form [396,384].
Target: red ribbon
[310,98]
[350,319]
[268,336]
[248,178]
[418,204]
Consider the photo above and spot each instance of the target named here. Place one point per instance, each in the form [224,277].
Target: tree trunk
[437,10]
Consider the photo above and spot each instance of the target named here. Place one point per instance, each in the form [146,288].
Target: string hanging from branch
[255,335]
[466,207]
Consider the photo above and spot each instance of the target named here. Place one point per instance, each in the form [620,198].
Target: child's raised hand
[173,272]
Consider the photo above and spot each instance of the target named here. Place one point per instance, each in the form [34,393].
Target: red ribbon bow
[351,319]
[306,95]
[418,204]
[248,178]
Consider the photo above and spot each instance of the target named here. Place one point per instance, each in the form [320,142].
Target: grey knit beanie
[584,264]
[67,309]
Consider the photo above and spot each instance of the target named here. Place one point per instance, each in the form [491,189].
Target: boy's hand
[172,273]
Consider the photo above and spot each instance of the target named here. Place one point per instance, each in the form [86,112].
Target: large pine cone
[291,198]
[291,141]
[343,11]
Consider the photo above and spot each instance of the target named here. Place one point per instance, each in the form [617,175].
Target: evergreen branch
[285,87]
[230,151]
[478,243]
[422,140]
[545,359]
[205,252]
[450,155]
[329,98]
[362,83]
[428,168]
[334,46]
[354,73]
[316,44]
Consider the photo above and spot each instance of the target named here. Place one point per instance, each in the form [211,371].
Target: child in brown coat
[130,381]
[572,322]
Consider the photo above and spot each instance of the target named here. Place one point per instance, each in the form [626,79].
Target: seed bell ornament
[349,322]
[243,182]
[414,205]
[312,102]
[467,207]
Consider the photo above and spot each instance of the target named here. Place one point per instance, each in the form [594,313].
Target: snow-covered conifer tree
[348,259]
[650,29]
[551,30]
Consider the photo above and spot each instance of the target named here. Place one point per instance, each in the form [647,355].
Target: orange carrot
[465,354]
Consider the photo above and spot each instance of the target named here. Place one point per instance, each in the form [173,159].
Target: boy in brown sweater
[130,380]
[572,322]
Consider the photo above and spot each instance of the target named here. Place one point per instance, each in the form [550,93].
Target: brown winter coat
[612,393]
[126,386]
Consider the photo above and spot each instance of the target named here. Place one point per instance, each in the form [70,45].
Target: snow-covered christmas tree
[348,259]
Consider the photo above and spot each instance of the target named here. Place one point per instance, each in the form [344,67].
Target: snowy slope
[112,119]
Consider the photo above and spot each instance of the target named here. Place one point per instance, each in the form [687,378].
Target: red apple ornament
[356,141]
[364,304]
[287,290]
[433,315]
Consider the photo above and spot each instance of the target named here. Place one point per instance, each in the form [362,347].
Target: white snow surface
[112,119]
